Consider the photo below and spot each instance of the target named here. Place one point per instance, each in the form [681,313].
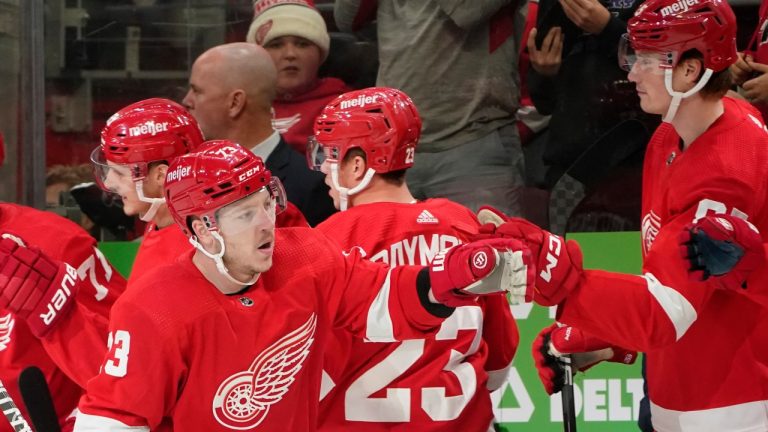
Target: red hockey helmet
[676,26]
[146,131]
[382,122]
[219,173]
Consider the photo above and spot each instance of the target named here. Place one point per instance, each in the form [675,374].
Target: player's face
[297,61]
[206,99]
[118,180]
[248,229]
[345,179]
[648,75]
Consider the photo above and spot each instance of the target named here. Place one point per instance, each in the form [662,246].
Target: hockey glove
[725,247]
[459,274]
[558,263]
[585,351]
[33,286]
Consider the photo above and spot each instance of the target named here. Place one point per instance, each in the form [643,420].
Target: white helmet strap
[677,97]
[217,258]
[155,203]
[345,193]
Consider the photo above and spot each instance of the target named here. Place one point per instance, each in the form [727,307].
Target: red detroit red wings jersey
[706,349]
[99,285]
[429,384]
[187,357]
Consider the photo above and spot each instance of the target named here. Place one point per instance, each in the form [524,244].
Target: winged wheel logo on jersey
[6,328]
[243,400]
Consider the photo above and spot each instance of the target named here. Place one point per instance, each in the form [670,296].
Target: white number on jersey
[88,268]
[707,205]
[117,366]
[396,406]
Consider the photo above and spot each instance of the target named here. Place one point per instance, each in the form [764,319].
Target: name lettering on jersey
[12,413]
[553,253]
[180,172]
[6,328]
[149,127]
[60,297]
[360,101]
[678,6]
[243,400]
[417,250]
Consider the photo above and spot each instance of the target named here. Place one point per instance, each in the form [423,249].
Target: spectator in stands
[457,60]
[295,36]
[231,90]
[59,180]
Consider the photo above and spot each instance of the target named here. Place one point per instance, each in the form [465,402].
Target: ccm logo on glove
[554,248]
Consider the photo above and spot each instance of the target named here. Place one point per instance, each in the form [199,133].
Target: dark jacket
[305,188]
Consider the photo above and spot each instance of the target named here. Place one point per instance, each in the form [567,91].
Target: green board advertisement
[607,396]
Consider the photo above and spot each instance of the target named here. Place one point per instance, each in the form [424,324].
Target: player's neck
[695,117]
[163,217]
[382,191]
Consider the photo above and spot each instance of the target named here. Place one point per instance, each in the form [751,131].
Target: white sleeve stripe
[497,378]
[93,423]
[678,309]
[379,326]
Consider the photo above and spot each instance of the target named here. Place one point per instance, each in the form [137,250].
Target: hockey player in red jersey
[137,144]
[231,335]
[439,383]
[707,360]
[25,326]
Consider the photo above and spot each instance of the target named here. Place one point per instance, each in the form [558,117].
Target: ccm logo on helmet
[149,127]
[61,295]
[678,6]
[178,173]
[360,101]
[248,174]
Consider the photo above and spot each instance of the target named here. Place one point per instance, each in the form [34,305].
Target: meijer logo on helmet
[149,127]
[361,101]
[678,6]
[177,174]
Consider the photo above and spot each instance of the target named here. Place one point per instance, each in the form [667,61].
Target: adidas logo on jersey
[678,6]
[426,218]
[360,101]
[149,127]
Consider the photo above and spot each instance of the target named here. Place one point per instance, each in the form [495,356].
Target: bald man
[231,90]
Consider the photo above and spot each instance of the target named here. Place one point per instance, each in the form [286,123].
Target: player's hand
[484,267]
[756,89]
[33,286]
[741,71]
[585,351]
[547,59]
[588,15]
[558,263]
[724,247]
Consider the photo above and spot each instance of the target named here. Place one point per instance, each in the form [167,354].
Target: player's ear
[692,69]
[203,234]
[359,167]
[158,173]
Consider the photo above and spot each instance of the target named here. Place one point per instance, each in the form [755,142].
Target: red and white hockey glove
[33,286]
[726,247]
[585,351]
[484,267]
[559,263]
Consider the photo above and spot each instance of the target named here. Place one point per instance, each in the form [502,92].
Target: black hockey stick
[12,412]
[569,401]
[37,399]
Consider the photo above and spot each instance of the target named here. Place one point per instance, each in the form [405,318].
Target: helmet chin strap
[345,193]
[677,97]
[217,258]
[155,203]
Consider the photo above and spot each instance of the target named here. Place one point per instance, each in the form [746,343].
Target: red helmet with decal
[146,131]
[382,122]
[676,26]
[219,173]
